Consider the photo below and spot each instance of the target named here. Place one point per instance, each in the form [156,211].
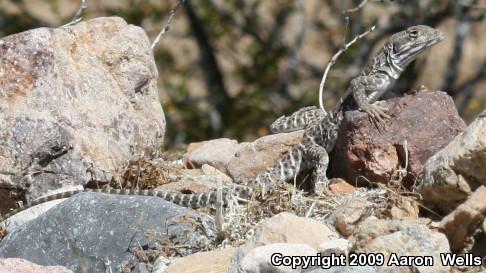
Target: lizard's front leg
[375,84]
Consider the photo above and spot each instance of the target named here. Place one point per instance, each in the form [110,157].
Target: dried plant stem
[167,25]
[360,6]
[335,57]
[219,221]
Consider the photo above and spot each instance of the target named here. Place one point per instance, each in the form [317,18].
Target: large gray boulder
[76,103]
[96,232]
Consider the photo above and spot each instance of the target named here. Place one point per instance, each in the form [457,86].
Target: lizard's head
[404,46]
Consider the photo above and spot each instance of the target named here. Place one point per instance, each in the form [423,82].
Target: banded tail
[207,199]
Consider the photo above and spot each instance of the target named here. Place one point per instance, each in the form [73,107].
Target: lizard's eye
[413,33]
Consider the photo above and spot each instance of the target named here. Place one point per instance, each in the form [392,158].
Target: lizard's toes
[322,181]
[378,113]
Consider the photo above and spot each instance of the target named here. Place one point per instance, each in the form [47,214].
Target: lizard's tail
[207,199]
[39,201]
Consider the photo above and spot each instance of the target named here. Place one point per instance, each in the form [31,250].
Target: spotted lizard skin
[298,120]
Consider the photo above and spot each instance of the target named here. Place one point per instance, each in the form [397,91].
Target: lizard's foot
[321,183]
[377,112]
[321,187]
[322,180]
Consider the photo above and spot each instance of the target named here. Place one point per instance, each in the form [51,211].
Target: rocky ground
[79,108]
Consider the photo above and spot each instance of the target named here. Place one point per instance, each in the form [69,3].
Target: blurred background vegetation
[229,68]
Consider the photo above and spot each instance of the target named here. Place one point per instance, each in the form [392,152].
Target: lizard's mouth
[436,39]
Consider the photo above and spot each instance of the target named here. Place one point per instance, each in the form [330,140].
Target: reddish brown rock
[341,187]
[365,151]
[460,225]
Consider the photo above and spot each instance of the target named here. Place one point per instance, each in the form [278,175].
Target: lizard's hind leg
[319,155]
[285,169]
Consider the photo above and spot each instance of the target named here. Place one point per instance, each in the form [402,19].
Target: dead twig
[219,206]
[360,6]
[167,25]
[334,58]
[77,16]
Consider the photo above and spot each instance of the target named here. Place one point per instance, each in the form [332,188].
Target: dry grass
[242,216]
[145,174]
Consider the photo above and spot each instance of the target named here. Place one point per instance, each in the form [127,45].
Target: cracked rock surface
[76,103]
[421,125]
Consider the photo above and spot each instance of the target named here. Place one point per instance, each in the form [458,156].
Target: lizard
[320,127]
[372,72]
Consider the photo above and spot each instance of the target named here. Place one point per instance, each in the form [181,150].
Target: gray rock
[140,268]
[284,229]
[91,231]
[161,264]
[76,103]
[344,269]
[404,238]
[216,152]
[259,259]
[461,225]
[352,211]
[243,160]
[451,173]
[336,246]
[211,261]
